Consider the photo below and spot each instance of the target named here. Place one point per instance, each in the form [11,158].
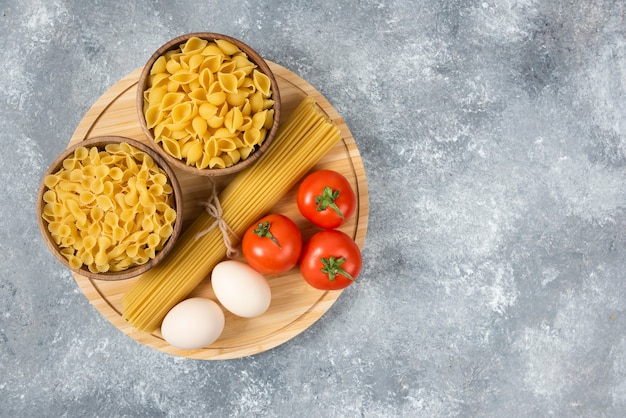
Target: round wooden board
[295,305]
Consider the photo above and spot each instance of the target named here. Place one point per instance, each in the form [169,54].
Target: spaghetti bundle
[301,141]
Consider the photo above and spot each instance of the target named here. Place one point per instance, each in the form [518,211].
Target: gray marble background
[493,135]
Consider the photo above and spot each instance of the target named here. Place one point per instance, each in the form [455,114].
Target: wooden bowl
[254,57]
[100,143]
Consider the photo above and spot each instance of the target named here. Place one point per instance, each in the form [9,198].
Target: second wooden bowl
[100,143]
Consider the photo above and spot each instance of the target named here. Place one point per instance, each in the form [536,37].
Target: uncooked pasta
[300,142]
[208,104]
[109,209]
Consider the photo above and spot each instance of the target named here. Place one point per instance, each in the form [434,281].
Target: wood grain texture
[295,305]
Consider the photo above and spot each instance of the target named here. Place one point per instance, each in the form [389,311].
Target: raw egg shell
[193,323]
[240,289]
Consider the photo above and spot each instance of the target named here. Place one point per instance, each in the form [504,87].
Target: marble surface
[493,134]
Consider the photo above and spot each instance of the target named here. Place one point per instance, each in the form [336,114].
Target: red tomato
[326,199]
[330,260]
[272,245]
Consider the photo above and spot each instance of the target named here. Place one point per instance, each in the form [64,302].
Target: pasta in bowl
[110,208]
[209,102]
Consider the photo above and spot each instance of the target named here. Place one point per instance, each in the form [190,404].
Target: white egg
[239,288]
[193,323]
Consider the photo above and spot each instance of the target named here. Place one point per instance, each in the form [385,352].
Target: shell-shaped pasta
[194,45]
[256,102]
[251,137]
[258,119]
[184,77]
[227,160]
[211,149]
[207,110]
[153,116]
[158,80]
[193,85]
[226,91]
[215,122]
[182,113]
[228,82]
[181,135]
[211,49]
[171,147]
[172,86]
[158,66]
[243,63]
[246,110]
[206,78]
[247,84]
[195,61]
[204,162]
[269,119]
[222,133]
[236,99]
[222,110]
[217,98]
[198,96]
[161,129]
[216,162]
[173,66]
[227,47]
[200,126]
[268,103]
[233,120]
[170,100]
[226,144]
[246,123]
[234,155]
[211,63]
[262,83]
[194,153]
[227,67]
[245,152]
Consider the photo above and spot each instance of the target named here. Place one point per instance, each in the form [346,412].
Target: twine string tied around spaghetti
[214,209]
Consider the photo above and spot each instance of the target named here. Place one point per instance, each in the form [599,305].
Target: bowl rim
[101,141]
[255,57]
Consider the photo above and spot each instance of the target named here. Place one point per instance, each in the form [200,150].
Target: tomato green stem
[263,231]
[327,200]
[332,267]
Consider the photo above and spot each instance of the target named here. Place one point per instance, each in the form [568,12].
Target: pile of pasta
[299,144]
[109,209]
[207,104]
